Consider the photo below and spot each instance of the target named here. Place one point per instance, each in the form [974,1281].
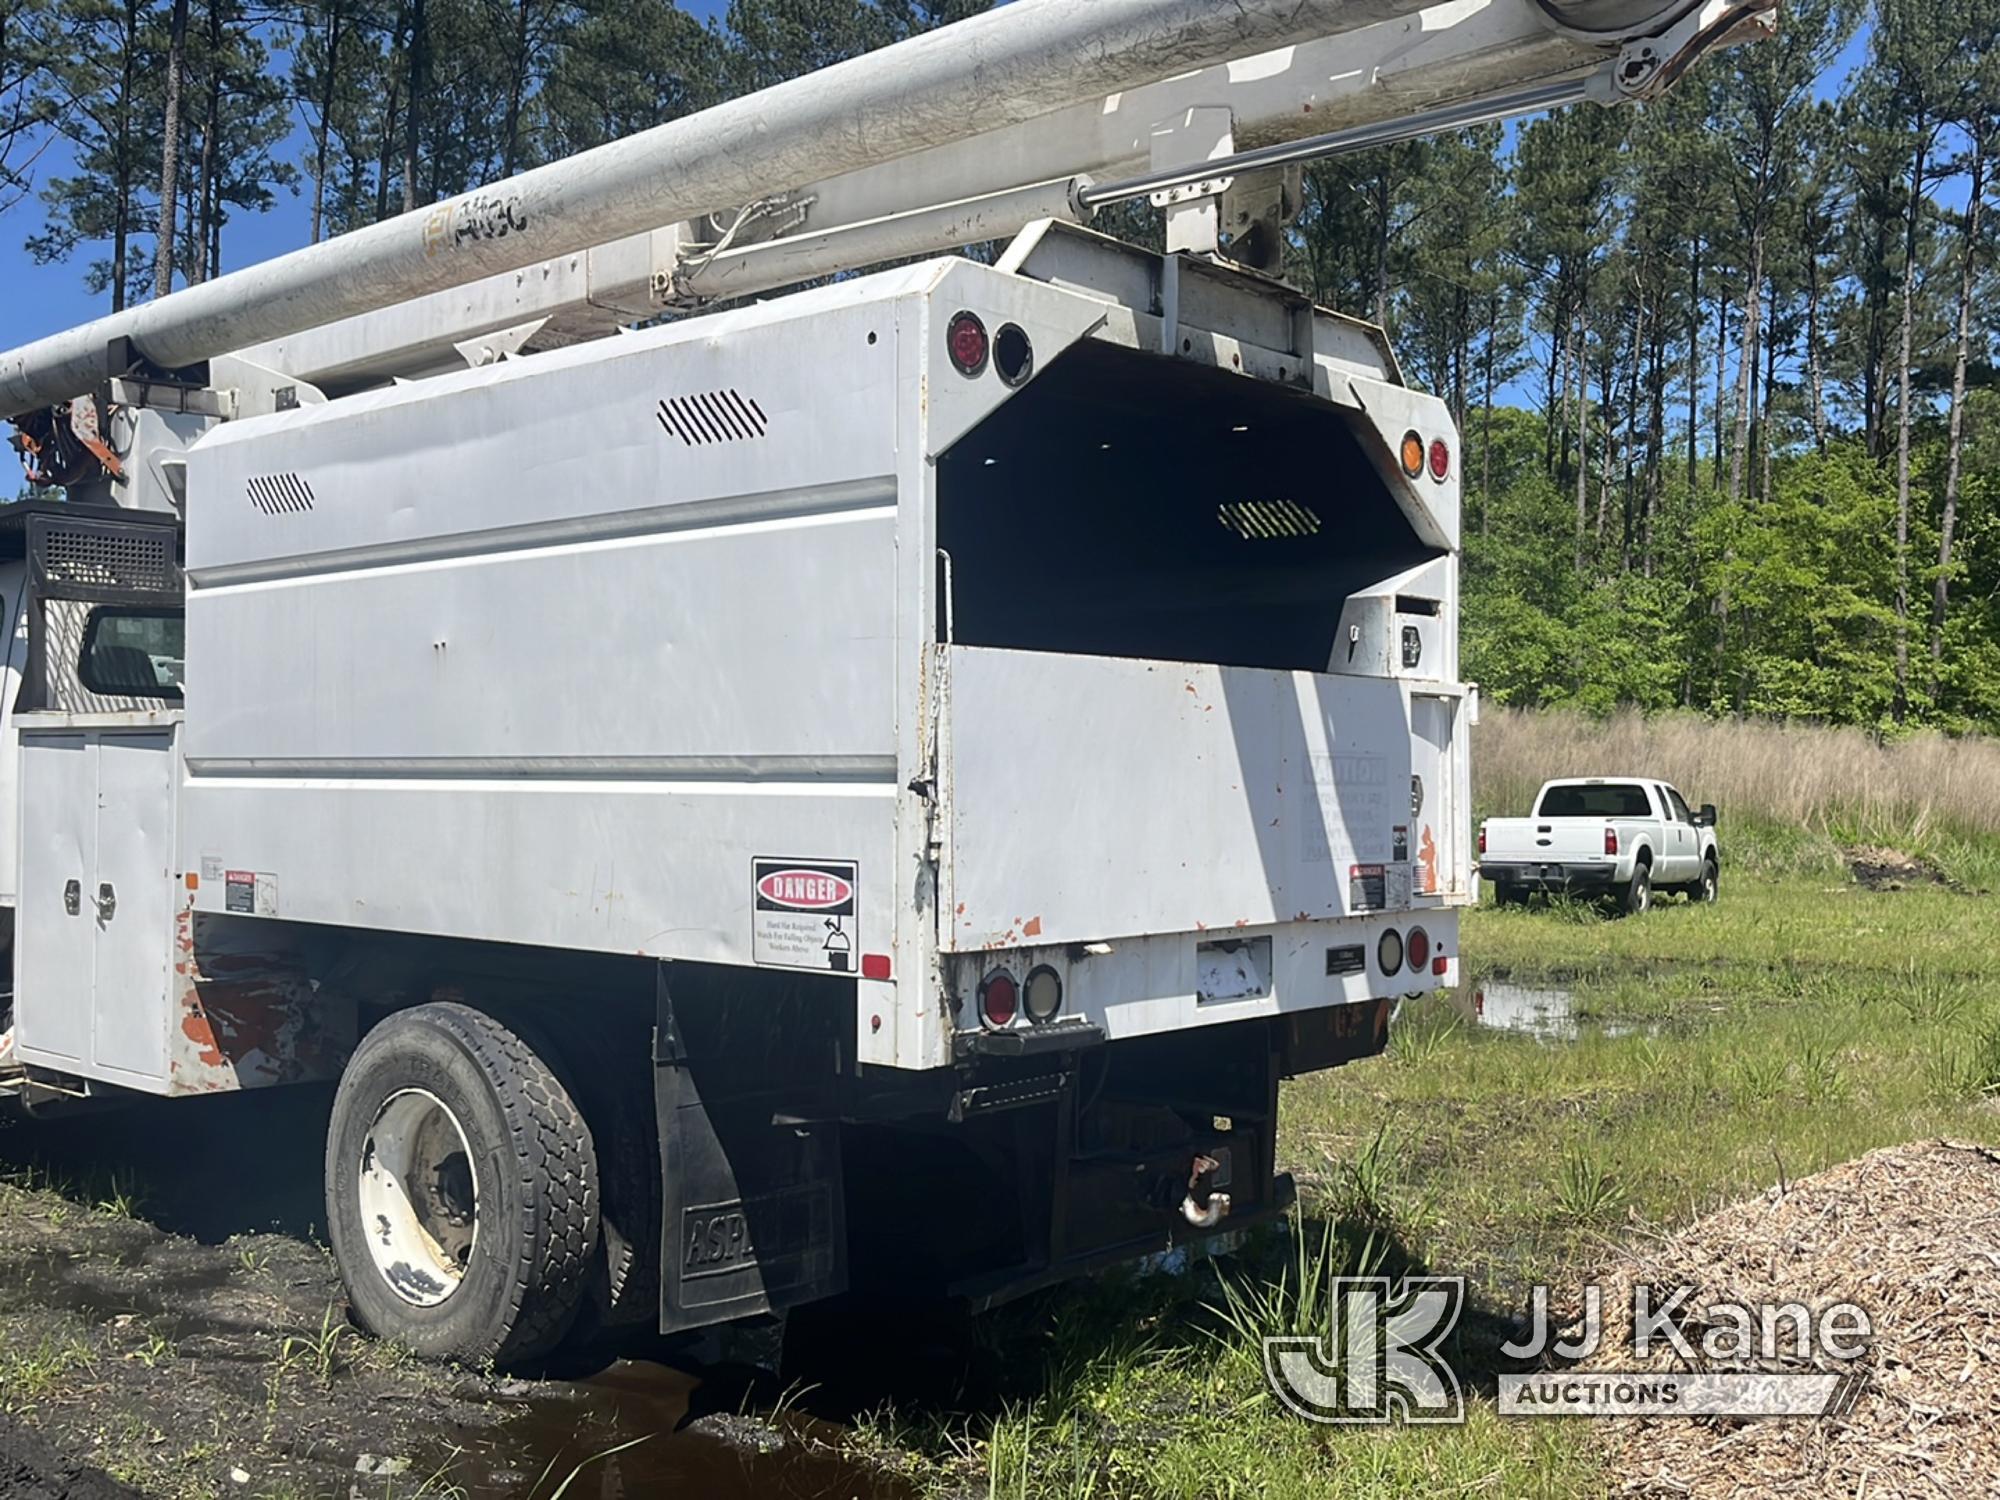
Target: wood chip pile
[1912,1235]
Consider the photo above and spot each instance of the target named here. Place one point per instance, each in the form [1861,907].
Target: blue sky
[37,300]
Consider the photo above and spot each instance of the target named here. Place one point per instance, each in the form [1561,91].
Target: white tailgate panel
[1097,798]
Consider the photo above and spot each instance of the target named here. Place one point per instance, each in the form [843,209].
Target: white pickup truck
[1597,836]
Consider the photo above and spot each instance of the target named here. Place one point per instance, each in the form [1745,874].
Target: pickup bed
[1600,837]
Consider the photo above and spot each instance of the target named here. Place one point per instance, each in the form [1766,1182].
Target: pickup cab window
[1678,807]
[1611,799]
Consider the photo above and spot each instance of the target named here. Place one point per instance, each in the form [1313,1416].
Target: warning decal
[802,913]
[250,892]
[1367,887]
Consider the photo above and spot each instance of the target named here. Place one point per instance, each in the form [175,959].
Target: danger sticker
[251,892]
[803,913]
[1367,887]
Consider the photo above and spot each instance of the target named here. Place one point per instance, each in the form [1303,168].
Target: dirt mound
[31,1469]
[1881,869]
[1912,1235]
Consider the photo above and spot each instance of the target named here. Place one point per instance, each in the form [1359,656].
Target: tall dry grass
[1822,780]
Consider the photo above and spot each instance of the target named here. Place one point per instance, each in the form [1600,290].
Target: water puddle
[1548,1015]
[638,1429]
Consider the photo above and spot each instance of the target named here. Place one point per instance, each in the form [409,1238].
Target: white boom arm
[962,134]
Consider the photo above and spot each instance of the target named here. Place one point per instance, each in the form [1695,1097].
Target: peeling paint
[248,1018]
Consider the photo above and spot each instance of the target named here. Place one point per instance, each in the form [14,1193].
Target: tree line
[1722,365]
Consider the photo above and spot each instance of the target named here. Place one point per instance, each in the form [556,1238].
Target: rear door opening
[1132,506]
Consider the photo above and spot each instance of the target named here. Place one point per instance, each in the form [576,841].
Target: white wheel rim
[419,1197]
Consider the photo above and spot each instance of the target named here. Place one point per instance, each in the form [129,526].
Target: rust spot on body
[1033,929]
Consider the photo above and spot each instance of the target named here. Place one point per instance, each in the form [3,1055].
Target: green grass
[1801,1022]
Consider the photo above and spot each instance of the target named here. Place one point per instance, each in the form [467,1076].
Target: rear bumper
[1129,988]
[1574,876]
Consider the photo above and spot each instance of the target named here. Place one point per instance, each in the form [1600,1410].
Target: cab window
[133,653]
[1612,799]
[1680,808]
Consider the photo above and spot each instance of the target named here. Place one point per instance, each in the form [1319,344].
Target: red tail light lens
[965,339]
[1440,459]
[1482,838]
[1418,946]
[1610,841]
[999,998]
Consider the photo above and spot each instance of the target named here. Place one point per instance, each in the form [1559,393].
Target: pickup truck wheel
[1506,893]
[1708,887]
[461,1189]
[1638,897]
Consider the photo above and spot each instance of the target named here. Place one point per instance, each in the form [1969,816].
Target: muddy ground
[170,1325]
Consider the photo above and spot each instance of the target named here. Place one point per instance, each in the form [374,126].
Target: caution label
[803,913]
[1367,887]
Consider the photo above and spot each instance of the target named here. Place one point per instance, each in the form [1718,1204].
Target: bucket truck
[748,796]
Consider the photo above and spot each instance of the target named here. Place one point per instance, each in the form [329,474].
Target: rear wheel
[1507,893]
[1709,886]
[1638,897]
[461,1188]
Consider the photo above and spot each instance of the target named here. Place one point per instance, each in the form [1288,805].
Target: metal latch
[107,902]
[72,896]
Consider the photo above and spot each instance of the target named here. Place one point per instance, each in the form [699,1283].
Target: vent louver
[279,494]
[712,417]
[1268,520]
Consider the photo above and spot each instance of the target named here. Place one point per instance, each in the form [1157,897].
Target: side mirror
[1706,817]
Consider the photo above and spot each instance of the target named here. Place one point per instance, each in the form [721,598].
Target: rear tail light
[1610,841]
[1482,838]
[1418,947]
[1413,453]
[999,999]
[1389,952]
[1440,460]
[1043,994]
[965,341]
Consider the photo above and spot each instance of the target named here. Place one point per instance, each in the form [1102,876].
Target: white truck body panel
[555,651]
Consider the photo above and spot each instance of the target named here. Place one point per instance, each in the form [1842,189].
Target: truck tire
[1506,893]
[1705,890]
[461,1189]
[1638,897]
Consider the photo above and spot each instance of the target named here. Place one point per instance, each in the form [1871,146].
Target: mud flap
[745,1084]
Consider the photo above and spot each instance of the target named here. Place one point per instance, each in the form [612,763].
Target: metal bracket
[1031,1041]
[1649,65]
[1197,136]
[166,395]
[491,348]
